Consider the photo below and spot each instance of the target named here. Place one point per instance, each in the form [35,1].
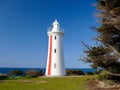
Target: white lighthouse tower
[55,60]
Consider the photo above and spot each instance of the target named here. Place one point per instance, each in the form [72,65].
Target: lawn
[46,83]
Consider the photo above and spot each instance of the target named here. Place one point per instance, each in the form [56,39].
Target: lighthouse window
[55,37]
[54,50]
[54,65]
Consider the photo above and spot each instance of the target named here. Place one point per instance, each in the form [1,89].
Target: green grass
[45,83]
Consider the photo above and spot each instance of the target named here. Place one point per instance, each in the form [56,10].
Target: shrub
[103,75]
[89,73]
[3,76]
[32,73]
[41,73]
[16,73]
[98,71]
[75,72]
[114,78]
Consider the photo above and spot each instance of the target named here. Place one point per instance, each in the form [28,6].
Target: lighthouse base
[55,75]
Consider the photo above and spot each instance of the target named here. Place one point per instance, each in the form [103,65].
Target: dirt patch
[27,81]
[1,81]
[40,82]
[101,85]
[35,82]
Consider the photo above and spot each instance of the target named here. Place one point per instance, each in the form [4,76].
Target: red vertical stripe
[50,56]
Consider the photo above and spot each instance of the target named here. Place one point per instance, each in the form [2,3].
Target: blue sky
[23,30]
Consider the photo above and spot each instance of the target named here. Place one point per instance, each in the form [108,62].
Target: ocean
[7,70]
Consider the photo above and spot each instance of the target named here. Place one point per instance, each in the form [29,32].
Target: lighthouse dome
[56,26]
[55,22]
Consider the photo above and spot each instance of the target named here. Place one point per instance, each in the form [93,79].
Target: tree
[75,72]
[107,54]
[16,73]
[32,73]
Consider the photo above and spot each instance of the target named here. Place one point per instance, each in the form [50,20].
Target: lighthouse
[55,60]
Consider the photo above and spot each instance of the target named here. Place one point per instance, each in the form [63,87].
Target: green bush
[74,72]
[16,73]
[32,73]
[98,71]
[89,73]
[114,78]
[41,73]
[3,76]
[103,75]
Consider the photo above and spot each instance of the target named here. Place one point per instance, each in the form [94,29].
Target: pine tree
[107,54]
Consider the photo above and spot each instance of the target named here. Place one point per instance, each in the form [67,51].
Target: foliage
[75,72]
[98,71]
[89,73]
[3,76]
[32,73]
[114,78]
[16,73]
[106,55]
[41,73]
[103,76]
